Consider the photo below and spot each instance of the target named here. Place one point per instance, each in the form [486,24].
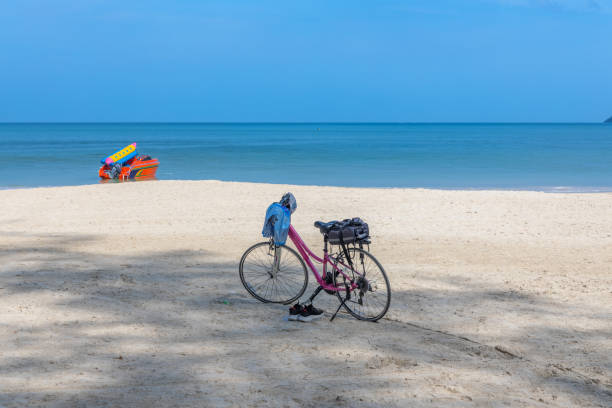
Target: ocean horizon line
[293,123]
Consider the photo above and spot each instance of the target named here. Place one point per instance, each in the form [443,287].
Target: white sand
[127,295]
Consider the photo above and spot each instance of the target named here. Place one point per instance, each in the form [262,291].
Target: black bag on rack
[349,231]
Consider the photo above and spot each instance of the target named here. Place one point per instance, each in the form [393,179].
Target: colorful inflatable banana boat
[121,156]
[126,164]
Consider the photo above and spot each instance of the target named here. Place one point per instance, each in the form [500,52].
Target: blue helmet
[289,201]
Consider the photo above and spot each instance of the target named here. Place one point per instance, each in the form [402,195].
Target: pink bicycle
[278,274]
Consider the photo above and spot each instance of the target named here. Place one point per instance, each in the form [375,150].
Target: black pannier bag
[349,231]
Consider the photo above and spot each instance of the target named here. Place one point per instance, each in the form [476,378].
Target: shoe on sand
[309,313]
[294,312]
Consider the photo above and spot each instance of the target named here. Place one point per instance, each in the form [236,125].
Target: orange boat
[136,168]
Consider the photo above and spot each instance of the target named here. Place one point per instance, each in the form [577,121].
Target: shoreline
[548,190]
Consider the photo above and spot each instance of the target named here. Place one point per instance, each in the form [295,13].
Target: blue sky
[297,60]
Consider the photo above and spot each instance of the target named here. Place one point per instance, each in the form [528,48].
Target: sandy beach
[128,295]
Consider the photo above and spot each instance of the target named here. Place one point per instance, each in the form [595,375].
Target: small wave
[575,189]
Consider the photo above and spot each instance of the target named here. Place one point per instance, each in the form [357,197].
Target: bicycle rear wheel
[372,297]
[273,274]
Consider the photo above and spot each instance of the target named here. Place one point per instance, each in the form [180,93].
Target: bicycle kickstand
[336,312]
[347,297]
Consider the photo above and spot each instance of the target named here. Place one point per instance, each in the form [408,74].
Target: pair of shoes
[304,313]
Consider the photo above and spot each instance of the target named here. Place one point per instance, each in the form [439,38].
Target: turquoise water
[566,157]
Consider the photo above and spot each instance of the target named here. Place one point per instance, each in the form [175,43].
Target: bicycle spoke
[269,284]
[370,300]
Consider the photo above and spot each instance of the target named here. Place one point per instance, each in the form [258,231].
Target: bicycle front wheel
[372,297]
[273,274]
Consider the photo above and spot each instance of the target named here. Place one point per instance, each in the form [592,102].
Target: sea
[543,157]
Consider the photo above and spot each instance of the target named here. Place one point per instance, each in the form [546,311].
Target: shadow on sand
[82,328]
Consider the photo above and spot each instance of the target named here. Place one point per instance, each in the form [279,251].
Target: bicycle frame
[306,254]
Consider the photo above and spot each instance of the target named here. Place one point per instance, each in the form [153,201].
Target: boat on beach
[127,164]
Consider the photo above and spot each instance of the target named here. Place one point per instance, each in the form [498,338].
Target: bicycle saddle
[324,227]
